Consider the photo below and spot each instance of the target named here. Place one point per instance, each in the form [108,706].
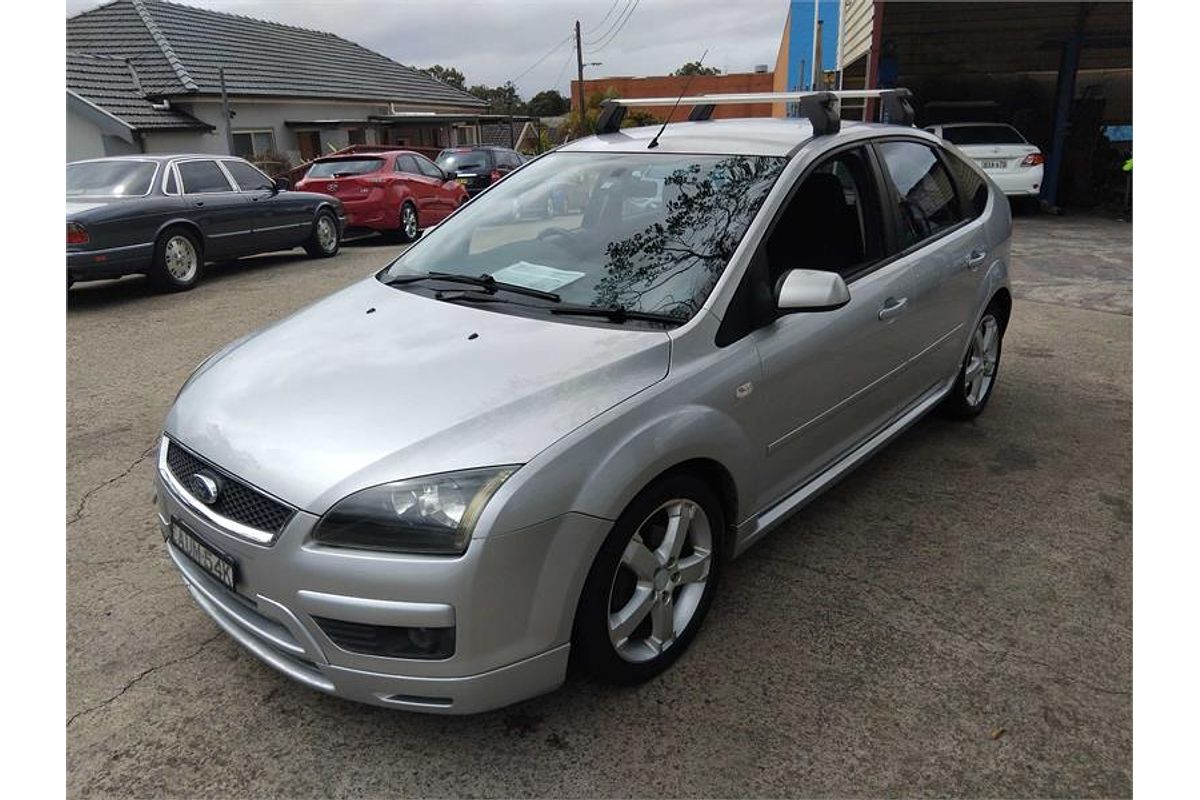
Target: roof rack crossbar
[820,108]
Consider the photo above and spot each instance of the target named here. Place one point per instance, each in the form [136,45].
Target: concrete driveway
[953,619]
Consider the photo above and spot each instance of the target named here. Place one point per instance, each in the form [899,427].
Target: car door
[419,186]
[440,202]
[221,212]
[831,376]
[269,219]
[940,247]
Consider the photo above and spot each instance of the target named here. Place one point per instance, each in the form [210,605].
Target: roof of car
[764,136]
[158,157]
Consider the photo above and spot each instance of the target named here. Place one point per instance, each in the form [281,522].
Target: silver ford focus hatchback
[537,436]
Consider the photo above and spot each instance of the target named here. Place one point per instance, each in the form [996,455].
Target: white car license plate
[993,163]
[204,555]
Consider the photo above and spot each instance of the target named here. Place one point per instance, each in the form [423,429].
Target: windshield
[474,161]
[110,178]
[982,134]
[644,232]
[340,167]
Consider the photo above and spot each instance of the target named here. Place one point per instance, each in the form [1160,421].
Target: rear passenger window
[202,177]
[974,186]
[928,204]
[407,164]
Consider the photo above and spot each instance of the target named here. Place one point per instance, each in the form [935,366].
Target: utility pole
[579,66]
[225,111]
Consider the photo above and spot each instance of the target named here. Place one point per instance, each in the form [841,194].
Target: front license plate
[204,555]
[993,164]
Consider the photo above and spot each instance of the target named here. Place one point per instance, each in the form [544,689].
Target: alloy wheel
[408,220]
[326,234]
[181,258]
[981,360]
[660,581]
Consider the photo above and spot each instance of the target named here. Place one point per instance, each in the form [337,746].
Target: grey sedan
[527,443]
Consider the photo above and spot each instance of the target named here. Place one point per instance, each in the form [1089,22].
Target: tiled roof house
[145,76]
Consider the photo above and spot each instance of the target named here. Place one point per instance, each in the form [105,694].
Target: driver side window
[832,222]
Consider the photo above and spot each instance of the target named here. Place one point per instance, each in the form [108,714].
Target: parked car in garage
[1001,151]
[166,216]
[479,166]
[397,191]
[529,442]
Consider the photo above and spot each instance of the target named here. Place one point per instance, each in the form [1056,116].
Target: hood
[334,399]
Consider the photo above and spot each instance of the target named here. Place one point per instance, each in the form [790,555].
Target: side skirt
[753,529]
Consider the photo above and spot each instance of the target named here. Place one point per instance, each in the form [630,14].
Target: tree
[548,104]
[696,68]
[502,99]
[448,75]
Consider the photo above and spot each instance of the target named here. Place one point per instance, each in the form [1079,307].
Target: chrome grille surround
[240,509]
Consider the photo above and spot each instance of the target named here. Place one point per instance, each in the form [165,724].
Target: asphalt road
[952,619]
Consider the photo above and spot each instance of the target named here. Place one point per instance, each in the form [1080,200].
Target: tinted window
[109,178]
[831,223]
[974,186]
[428,168]
[471,161]
[200,177]
[248,178]
[647,232]
[407,164]
[927,202]
[982,134]
[343,167]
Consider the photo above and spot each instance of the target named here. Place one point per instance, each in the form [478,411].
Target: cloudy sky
[492,41]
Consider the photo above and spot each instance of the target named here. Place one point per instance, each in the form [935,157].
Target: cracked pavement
[952,619]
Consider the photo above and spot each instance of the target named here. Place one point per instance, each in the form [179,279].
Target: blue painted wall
[800,41]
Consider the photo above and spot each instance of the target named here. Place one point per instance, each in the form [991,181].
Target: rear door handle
[893,307]
[976,258]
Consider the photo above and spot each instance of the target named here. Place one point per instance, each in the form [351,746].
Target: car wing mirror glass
[282,184]
[811,290]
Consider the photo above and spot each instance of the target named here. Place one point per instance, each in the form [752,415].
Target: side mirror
[451,175]
[282,184]
[811,290]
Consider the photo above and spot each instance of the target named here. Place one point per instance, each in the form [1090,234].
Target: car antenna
[654,142]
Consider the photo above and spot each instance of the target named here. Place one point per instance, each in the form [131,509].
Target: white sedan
[1003,153]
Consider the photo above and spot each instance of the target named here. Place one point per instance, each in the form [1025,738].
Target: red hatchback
[396,191]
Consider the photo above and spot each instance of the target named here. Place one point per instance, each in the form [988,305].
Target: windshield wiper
[483,281]
[616,313]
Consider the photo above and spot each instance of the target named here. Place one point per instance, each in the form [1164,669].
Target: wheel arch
[1002,297]
[182,222]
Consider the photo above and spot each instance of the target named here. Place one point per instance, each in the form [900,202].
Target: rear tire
[178,261]
[652,582]
[410,226]
[326,240]
[980,367]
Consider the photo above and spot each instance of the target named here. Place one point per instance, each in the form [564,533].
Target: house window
[249,144]
[357,135]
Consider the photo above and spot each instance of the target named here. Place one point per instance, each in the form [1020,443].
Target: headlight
[431,515]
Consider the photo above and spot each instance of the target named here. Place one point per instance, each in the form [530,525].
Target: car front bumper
[511,599]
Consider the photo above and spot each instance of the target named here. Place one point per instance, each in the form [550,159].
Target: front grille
[389,641]
[235,500]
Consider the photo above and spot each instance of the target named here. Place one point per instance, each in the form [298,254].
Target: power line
[562,70]
[549,53]
[616,21]
[611,8]
[615,33]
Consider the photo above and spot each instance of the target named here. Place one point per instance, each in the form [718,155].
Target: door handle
[976,258]
[893,308]
[199,203]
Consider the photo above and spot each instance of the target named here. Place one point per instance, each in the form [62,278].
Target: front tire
[178,261]
[980,368]
[652,582]
[326,239]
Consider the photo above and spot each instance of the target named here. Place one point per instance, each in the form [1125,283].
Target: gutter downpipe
[226,113]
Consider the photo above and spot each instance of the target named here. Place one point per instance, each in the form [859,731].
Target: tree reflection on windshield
[671,265]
